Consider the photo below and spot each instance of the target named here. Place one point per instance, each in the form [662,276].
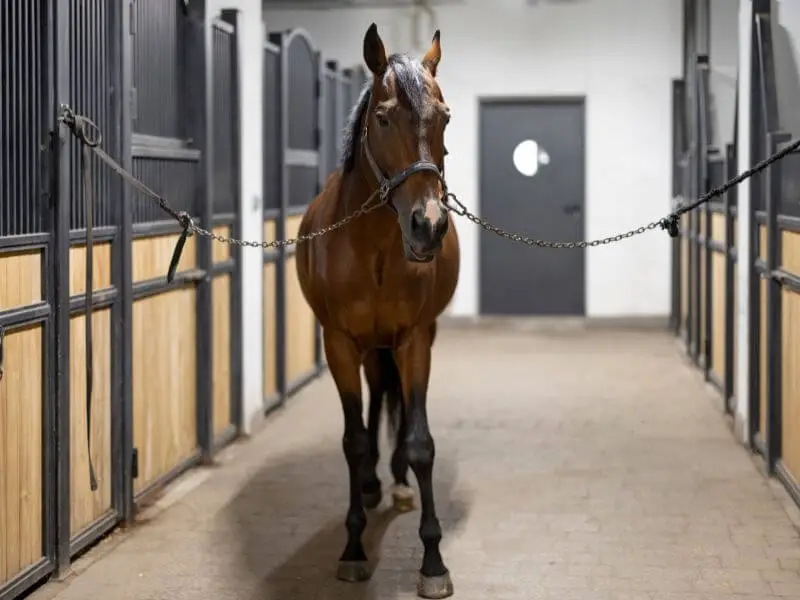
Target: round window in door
[528,156]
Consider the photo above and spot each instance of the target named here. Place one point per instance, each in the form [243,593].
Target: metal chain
[80,125]
[459,209]
[365,208]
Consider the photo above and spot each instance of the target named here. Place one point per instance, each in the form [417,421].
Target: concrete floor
[570,465]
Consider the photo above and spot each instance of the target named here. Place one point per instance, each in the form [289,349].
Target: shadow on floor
[289,520]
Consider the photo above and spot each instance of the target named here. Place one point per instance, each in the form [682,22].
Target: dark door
[532,181]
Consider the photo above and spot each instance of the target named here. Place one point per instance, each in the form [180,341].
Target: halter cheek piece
[386,185]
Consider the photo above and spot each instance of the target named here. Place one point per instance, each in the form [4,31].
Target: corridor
[571,464]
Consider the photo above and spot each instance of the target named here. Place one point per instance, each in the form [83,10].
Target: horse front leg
[414,362]
[344,362]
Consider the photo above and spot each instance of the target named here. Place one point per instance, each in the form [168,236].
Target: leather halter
[386,185]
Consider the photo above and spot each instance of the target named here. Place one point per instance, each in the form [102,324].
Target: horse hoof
[353,570]
[371,500]
[403,498]
[440,586]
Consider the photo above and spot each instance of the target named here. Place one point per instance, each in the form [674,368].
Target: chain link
[458,208]
[365,208]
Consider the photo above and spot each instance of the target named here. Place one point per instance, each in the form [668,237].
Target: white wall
[251,44]
[620,54]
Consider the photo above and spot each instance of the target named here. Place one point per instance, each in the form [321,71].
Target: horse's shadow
[289,520]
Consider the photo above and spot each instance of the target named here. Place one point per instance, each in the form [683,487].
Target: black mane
[410,83]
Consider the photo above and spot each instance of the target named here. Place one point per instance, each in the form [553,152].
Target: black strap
[88,203]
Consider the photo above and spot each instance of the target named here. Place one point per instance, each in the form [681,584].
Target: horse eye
[383,120]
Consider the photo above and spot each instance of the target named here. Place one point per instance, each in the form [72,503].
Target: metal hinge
[135,463]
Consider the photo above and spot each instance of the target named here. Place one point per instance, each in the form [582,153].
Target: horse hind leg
[402,492]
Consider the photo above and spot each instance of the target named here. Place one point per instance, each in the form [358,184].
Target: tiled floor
[570,465]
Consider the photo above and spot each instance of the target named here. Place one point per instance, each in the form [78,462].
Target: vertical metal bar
[774,372]
[115,26]
[50,476]
[322,111]
[237,416]
[123,322]
[752,334]
[280,263]
[60,274]
[197,44]
[729,200]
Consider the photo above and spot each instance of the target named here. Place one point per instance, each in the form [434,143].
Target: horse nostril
[418,220]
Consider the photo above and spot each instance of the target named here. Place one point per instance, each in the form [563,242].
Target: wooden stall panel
[270,332]
[270,230]
[718,304]
[101,263]
[293,225]
[762,242]
[718,227]
[221,347]
[790,359]
[221,252]
[151,256]
[21,408]
[300,328]
[790,441]
[164,384]
[790,251]
[88,506]
[762,360]
[20,279]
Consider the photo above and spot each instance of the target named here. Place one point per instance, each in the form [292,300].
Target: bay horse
[378,284]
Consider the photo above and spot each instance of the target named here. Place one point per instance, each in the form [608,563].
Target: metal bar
[730,198]
[789,223]
[29,241]
[60,273]
[231,17]
[153,287]
[18,586]
[152,489]
[123,261]
[100,299]
[97,529]
[303,380]
[28,315]
[50,194]
[787,479]
[774,334]
[116,35]
[199,98]
[280,264]
[301,158]
[99,234]
[182,154]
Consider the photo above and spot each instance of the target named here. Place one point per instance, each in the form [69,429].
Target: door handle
[572,209]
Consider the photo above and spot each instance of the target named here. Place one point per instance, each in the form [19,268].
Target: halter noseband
[386,185]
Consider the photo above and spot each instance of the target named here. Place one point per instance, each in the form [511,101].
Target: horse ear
[433,55]
[374,51]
